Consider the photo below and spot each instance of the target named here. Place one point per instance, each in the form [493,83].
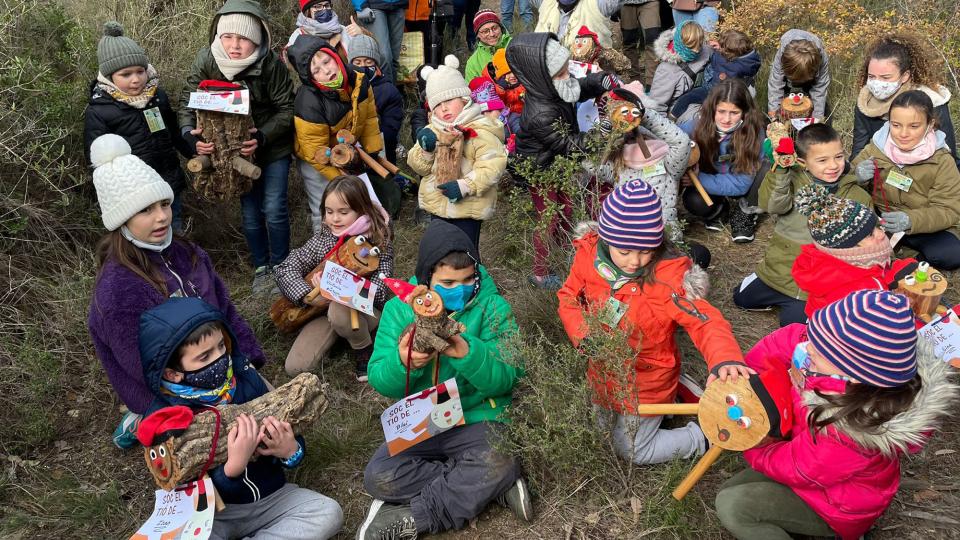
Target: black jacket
[548,125]
[865,126]
[390,110]
[158,150]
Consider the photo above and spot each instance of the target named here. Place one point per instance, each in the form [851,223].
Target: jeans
[266,223]
[753,293]
[941,249]
[706,17]
[506,13]
[314,183]
[463,13]
[387,29]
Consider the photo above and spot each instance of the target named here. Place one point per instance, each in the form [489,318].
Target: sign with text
[230,101]
[944,334]
[182,514]
[579,70]
[344,287]
[421,416]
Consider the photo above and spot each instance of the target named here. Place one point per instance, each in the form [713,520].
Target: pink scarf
[633,157]
[923,151]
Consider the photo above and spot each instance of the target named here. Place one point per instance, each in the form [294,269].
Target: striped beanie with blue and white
[631,217]
[869,335]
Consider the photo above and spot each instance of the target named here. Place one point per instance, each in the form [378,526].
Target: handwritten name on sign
[231,101]
[344,287]
[421,416]
[184,513]
[944,334]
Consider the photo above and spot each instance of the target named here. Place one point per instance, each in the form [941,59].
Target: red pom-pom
[785,146]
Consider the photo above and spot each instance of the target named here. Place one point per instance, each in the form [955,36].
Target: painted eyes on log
[732,399]
[744,422]
[359,240]
[375,251]
[163,451]
[153,454]
[419,301]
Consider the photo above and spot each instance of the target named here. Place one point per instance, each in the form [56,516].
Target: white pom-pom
[106,148]
[426,71]
[451,61]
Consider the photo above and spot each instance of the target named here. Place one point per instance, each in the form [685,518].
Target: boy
[800,66]
[820,160]
[188,355]
[735,58]
[444,482]
[492,38]
[365,54]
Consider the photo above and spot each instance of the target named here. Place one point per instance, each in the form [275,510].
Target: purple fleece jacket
[120,296]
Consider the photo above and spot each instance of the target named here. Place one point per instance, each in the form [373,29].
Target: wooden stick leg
[661,409]
[199,163]
[387,165]
[697,472]
[372,163]
[354,319]
[696,183]
[245,168]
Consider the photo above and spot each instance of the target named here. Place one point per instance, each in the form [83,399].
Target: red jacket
[848,478]
[511,97]
[826,278]
[650,323]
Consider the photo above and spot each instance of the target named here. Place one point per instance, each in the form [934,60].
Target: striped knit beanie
[834,222]
[631,217]
[869,335]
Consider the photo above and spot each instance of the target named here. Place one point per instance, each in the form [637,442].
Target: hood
[439,240]
[745,66]
[882,134]
[875,108]
[164,327]
[250,7]
[814,267]
[526,55]
[301,53]
[911,427]
[939,96]
[661,47]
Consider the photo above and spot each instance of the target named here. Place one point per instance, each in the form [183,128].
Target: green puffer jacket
[483,55]
[777,193]
[484,377]
[269,82]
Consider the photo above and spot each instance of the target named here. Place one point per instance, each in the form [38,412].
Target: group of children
[866,389]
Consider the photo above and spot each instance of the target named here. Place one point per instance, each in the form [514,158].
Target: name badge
[656,169]
[611,313]
[899,181]
[154,120]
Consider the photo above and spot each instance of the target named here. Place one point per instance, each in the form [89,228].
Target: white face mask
[569,89]
[146,245]
[883,89]
[731,129]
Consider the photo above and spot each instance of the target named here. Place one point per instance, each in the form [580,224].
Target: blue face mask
[324,16]
[455,298]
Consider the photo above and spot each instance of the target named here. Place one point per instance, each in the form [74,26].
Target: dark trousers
[941,249]
[447,480]
[759,295]
[471,227]
[694,95]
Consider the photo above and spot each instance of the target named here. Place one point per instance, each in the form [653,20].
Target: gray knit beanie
[364,45]
[557,56]
[116,51]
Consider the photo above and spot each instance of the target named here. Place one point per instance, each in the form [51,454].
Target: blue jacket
[389,109]
[382,5]
[742,67]
[724,182]
[162,329]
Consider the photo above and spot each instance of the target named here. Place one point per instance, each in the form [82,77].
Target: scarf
[228,66]
[875,108]
[685,53]
[139,101]
[831,187]
[180,394]
[923,151]
[866,256]
[610,272]
[325,30]
[723,133]
[469,113]
[147,245]
[633,157]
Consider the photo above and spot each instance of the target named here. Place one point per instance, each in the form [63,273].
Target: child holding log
[189,358]
[348,212]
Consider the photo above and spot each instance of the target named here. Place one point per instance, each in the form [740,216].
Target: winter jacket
[548,125]
[301,261]
[778,86]
[158,150]
[743,67]
[776,197]
[594,14]
[382,5]
[319,113]
[847,477]
[725,182]
[161,330]
[271,90]
[120,296]
[390,111]
[673,76]
[870,114]
[826,279]
[655,312]
[933,200]
[512,97]
[483,55]
[483,163]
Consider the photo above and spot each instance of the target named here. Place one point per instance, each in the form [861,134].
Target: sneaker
[388,522]
[742,224]
[125,436]
[715,224]
[549,282]
[688,391]
[264,282]
[362,358]
[517,499]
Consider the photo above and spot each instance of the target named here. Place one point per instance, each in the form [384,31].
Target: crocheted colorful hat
[834,222]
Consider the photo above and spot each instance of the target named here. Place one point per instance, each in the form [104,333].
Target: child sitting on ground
[365,54]
[735,58]
[446,481]
[348,212]
[866,391]
[683,53]
[635,282]
[470,198]
[190,358]
[800,66]
[819,160]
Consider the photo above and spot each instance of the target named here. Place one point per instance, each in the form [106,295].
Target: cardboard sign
[587,115]
[181,514]
[944,334]
[579,70]
[370,191]
[230,101]
[344,287]
[421,416]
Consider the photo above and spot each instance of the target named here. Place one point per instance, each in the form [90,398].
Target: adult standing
[702,12]
[640,27]
[565,18]
[524,8]
[493,37]
[385,19]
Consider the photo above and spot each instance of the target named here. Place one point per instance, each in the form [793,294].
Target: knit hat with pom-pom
[834,222]
[444,82]
[631,217]
[116,51]
[125,184]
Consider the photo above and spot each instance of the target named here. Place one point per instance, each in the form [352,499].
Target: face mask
[805,379]
[722,132]
[883,89]
[324,16]
[146,245]
[209,377]
[454,298]
[369,71]
[569,89]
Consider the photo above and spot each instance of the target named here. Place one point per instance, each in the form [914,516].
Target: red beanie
[785,146]
[174,420]
[483,17]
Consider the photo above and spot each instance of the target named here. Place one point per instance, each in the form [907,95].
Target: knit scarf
[228,66]
[926,148]
[610,272]
[139,101]
[188,395]
[865,256]
[876,108]
[685,53]
[325,30]
[469,113]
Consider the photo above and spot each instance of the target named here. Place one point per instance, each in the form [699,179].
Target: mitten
[451,190]
[366,16]
[427,139]
[894,222]
[610,81]
[865,172]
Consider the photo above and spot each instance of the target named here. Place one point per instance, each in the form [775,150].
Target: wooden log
[199,164]
[387,165]
[345,158]
[694,179]
[924,290]
[225,178]
[697,472]
[322,155]
[661,409]
[245,168]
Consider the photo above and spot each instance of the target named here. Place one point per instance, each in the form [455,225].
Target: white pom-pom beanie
[445,82]
[125,184]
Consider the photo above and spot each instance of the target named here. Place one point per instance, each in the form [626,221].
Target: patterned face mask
[883,89]
[210,376]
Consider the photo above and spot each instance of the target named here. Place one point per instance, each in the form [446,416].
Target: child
[348,212]
[240,52]
[483,92]
[847,254]
[444,482]
[734,59]
[683,53]
[492,36]
[801,65]
[365,54]
[510,90]
[472,198]
[915,182]
[860,400]
[820,161]
[141,263]
[126,99]
[189,359]
[633,280]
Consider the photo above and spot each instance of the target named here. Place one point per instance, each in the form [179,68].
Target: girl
[895,64]
[348,211]
[626,278]
[729,132]
[857,407]
[915,182]
[683,53]
[141,264]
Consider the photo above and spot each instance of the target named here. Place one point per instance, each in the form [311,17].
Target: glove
[366,16]
[427,139]
[451,190]
[192,141]
[894,222]
[610,81]
[404,183]
[866,169]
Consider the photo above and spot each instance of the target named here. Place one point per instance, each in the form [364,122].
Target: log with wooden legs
[380,165]
[694,159]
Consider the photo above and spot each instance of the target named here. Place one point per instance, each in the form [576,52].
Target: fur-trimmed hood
[665,53]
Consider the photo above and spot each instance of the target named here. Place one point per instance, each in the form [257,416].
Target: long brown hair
[113,246]
[864,408]
[910,52]
[746,140]
[355,194]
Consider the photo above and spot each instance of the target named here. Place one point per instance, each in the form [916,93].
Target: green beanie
[116,51]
